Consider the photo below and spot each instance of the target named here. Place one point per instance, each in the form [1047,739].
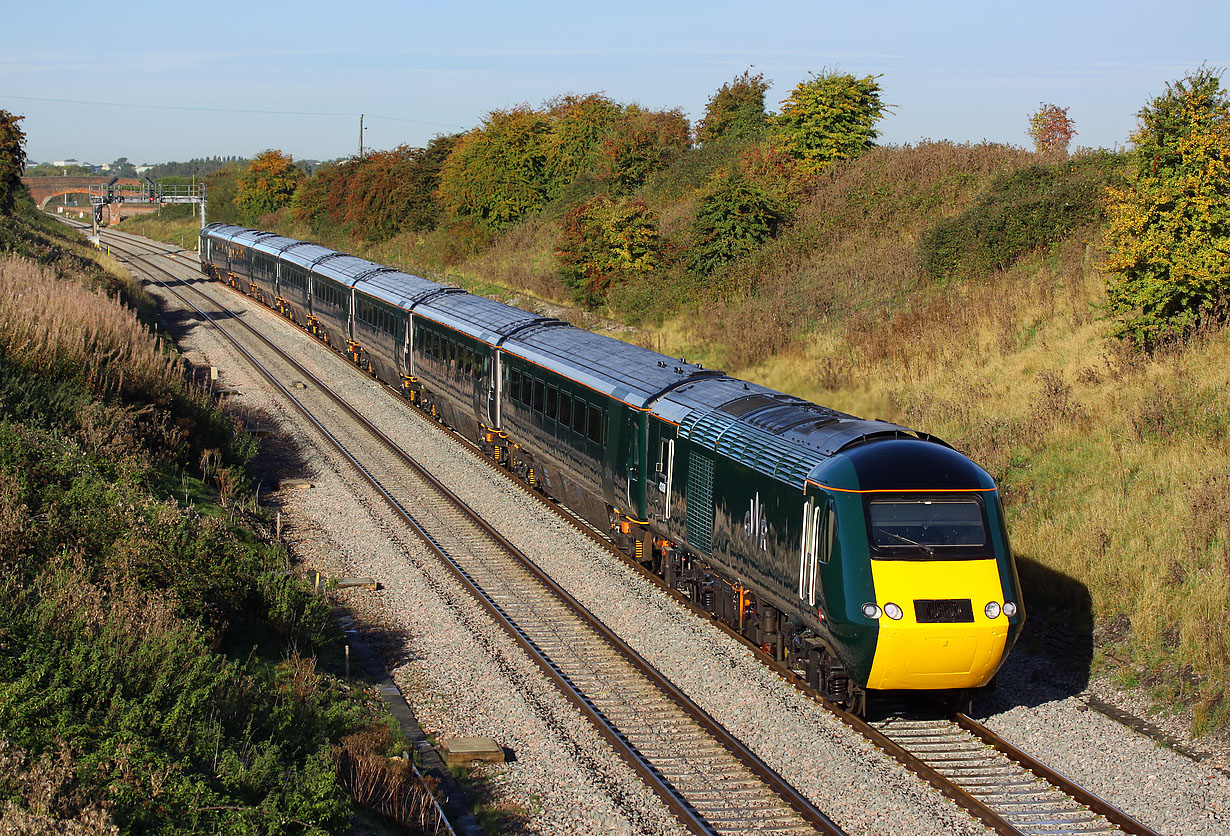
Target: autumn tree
[829,118]
[12,160]
[497,173]
[1051,130]
[268,184]
[736,110]
[641,143]
[604,241]
[1169,232]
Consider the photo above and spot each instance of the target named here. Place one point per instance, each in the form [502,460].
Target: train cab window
[578,417]
[595,425]
[565,409]
[552,402]
[916,528]
[540,396]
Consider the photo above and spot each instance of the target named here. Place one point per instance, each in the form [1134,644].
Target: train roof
[273,244]
[401,289]
[348,269]
[305,255]
[617,369]
[780,435]
[223,232]
[479,317]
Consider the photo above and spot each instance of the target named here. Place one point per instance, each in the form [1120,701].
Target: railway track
[997,783]
[710,780]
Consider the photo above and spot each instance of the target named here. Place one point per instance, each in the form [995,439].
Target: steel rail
[682,809]
[983,812]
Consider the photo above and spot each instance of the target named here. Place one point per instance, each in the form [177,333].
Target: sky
[159,81]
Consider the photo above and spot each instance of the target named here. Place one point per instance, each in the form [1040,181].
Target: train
[869,557]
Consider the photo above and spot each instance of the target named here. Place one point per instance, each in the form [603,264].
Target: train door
[491,380]
[662,474]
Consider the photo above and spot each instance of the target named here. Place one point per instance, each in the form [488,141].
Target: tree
[736,110]
[497,173]
[122,168]
[12,160]
[268,184]
[604,241]
[1169,231]
[832,117]
[643,142]
[734,218]
[1051,130]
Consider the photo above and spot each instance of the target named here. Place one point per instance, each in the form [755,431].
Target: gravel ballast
[465,677]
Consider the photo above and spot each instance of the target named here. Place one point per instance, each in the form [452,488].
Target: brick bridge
[43,189]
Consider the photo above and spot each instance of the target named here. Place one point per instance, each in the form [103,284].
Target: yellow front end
[937,656]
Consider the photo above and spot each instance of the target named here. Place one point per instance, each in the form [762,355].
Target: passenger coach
[868,556]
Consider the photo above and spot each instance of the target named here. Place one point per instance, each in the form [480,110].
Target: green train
[867,556]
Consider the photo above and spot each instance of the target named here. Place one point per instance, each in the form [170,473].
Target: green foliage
[267,185]
[12,160]
[604,241]
[736,110]
[149,640]
[734,218]
[830,118]
[1019,212]
[521,159]
[1051,130]
[223,186]
[1170,228]
[48,170]
[644,142]
[376,197]
[497,173]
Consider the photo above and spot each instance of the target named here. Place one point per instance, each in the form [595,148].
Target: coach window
[595,424]
[539,395]
[514,385]
[578,417]
[552,401]
[565,409]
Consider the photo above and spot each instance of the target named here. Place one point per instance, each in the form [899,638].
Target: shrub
[603,241]
[12,160]
[832,117]
[736,110]
[1020,211]
[1169,231]
[734,218]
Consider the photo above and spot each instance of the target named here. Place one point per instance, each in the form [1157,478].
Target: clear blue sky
[959,71]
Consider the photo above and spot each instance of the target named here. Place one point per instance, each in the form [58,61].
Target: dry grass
[54,324]
[1115,467]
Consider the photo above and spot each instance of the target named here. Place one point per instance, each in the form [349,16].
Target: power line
[227,110]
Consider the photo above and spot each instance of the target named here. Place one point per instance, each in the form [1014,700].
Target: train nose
[936,631]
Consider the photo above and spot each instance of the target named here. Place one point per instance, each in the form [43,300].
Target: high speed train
[868,556]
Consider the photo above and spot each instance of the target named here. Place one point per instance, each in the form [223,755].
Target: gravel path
[464,677]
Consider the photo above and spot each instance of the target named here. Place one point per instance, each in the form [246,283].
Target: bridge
[120,195]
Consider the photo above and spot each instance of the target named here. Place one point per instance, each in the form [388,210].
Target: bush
[830,118]
[1170,228]
[1019,212]
[734,218]
[604,241]
[736,110]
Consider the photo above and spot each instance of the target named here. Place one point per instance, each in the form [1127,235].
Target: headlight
[893,611]
[871,610]
[992,610]
[1009,609]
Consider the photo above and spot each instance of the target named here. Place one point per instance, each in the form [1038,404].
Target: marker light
[992,610]
[893,611]
[1009,609]
[871,610]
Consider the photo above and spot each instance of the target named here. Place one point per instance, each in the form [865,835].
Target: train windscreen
[918,527]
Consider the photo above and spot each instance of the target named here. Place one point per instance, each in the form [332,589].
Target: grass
[178,225]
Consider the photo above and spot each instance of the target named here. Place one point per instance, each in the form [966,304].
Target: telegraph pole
[360,136]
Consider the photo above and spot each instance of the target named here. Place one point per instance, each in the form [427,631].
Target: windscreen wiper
[930,551]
